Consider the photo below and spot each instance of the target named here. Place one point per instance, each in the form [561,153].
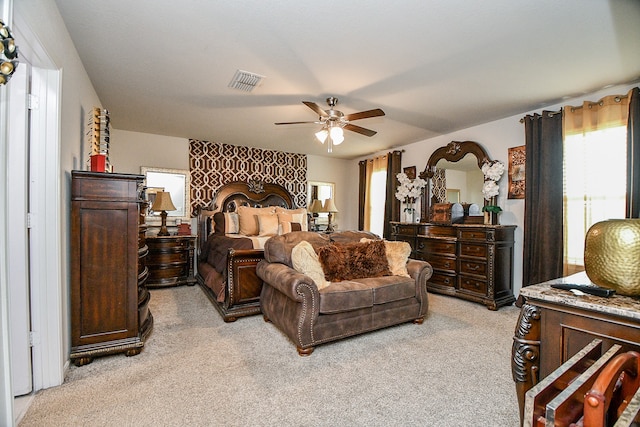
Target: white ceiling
[434,66]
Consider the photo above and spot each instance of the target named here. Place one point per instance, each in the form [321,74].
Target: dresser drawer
[161,258]
[438,246]
[474,250]
[443,279]
[440,262]
[473,267]
[407,230]
[472,234]
[473,285]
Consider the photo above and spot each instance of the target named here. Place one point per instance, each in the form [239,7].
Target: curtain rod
[617,98]
[550,113]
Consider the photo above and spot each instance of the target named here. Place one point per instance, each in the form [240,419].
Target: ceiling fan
[334,121]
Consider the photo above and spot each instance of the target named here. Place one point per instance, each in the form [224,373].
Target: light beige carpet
[196,370]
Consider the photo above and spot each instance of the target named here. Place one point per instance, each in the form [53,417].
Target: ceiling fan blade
[296,123]
[364,114]
[315,107]
[360,130]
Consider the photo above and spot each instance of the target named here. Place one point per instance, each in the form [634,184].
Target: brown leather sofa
[308,316]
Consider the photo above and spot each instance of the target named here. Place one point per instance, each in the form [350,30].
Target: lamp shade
[337,135]
[315,206]
[322,135]
[163,202]
[329,206]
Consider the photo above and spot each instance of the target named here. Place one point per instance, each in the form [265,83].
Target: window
[376,197]
[594,186]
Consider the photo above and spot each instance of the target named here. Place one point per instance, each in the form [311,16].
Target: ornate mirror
[453,172]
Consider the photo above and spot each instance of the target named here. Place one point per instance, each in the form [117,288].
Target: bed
[227,259]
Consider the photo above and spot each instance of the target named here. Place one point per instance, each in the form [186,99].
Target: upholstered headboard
[240,193]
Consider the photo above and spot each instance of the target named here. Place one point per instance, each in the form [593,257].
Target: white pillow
[268,225]
[305,260]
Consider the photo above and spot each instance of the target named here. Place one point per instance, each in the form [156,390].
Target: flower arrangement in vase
[408,192]
[492,171]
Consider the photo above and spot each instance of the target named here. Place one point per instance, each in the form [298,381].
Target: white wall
[345,177]
[496,137]
[131,150]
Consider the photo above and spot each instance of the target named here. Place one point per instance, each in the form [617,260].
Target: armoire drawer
[472,285]
[473,267]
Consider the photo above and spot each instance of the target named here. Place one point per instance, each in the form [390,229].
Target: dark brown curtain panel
[362,192]
[392,205]
[633,155]
[543,230]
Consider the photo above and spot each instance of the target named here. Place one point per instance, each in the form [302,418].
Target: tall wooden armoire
[109,298]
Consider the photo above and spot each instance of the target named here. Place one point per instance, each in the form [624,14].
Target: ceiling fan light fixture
[322,135]
[337,135]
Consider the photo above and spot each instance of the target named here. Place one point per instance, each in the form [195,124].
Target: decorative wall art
[517,159]
[410,171]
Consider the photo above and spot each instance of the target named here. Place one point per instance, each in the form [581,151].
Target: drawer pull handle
[446,281]
[473,267]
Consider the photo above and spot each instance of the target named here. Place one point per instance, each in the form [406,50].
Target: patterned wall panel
[440,185]
[212,165]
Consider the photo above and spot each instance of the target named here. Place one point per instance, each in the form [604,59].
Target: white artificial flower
[490,189]
[493,170]
[408,191]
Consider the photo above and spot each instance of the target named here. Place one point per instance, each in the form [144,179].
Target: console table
[171,260]
[555,324]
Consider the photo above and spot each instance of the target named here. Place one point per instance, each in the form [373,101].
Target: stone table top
[617,305]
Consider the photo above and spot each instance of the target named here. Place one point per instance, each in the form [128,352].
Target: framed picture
[517,157]
[410,171]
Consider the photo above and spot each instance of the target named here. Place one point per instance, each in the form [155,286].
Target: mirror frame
[323,217]
[155,220]
[452,152]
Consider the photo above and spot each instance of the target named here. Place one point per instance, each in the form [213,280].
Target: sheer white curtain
[595,181]
[375,193]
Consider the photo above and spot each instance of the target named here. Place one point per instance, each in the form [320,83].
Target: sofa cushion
[305,260]
[355,294]
[354,260]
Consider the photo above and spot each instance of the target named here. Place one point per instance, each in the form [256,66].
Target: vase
[409,213]
[611,254]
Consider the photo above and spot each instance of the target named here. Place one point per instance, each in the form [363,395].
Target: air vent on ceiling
[246,81]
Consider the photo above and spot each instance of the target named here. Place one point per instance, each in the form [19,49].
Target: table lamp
[314,208]
[163,203]
[329,206]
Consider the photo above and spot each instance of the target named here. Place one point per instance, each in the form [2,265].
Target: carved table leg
[525,362]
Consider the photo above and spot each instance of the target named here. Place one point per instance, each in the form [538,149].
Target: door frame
[48,352]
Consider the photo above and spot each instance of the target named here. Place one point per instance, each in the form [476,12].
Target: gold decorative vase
[612,255]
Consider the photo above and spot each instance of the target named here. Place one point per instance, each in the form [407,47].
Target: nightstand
[170,261]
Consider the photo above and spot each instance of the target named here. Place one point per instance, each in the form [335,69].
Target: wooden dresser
[555,324]
[171,261]
[109,299]
[470,261]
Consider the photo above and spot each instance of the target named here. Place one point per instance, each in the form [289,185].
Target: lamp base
[329,225]
[163,228]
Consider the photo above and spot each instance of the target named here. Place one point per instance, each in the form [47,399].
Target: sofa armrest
[285,279]
[419,270]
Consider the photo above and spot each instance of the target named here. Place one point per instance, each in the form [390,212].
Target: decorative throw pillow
[226,222]
[287,227]
[354,260]
[248,220]
[293,215]
[268,225]
[397,256]
[305,260]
